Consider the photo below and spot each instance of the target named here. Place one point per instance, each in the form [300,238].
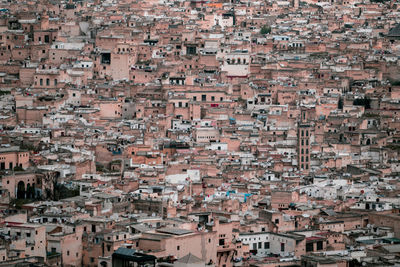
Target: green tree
[265,30]
[395,83]
[18,169]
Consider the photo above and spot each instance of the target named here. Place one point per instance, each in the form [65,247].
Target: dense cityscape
[195,133]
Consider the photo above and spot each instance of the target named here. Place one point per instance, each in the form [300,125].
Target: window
[41,82]
[319,245]
[194,98]
[221,242]
[309,247]
[203,97]
[259,245]
[47,82]
[282,247]
[266,245]
[178,248]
